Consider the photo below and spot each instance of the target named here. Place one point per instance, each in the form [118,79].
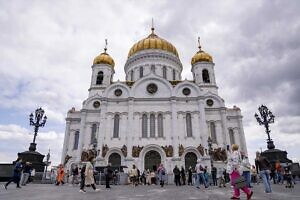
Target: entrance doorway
[115,160]
[152,160]
[190,160]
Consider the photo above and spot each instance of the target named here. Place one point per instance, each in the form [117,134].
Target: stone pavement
[127,192]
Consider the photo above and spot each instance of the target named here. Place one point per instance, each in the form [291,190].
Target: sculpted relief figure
[136,151]
[124,150]
[201,149]
[180,150]
[104,150]
[67,158]
[168,150]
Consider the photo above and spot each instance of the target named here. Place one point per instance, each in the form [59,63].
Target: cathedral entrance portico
[151,156]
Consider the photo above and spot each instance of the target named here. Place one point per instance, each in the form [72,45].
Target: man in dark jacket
[214,175]
[108,174]
[176,172]
[16,175]
[82,177]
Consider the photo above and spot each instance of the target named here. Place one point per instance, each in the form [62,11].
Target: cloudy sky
[47,49]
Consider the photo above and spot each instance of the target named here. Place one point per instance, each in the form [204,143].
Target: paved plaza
[127,192]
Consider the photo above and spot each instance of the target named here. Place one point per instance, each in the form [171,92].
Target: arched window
[153,68]
[76,140]
[116,126]
[160,125]
[174,74]
[152,125]
[205,76]
[131,75]
[213,132]
[164,72]
[144,126]
[231,137]
[141,72]
[93,134]
[189,125]
[99,78]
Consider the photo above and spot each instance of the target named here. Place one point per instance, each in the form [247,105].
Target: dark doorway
[115,160]
[152,160]
[190,160]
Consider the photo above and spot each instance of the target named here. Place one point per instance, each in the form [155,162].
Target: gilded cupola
[152,42]
[104,58]
[201,56]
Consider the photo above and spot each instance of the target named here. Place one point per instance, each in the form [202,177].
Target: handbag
[239,182]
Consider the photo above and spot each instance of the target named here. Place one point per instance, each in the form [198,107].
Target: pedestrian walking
[60,175]
[245,168]
[108,174]
[200,175]
[161,171]
[263,165]
[133,174]
[234,169]
[16,174]
[176,173]
[26,173]
[221,178]
[182,174]
[190,176]
[278,172]
[75,173]
[82,178]
[89,174]
[214,175]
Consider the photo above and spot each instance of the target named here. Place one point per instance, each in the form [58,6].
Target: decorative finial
[105,48]
[199,44]
[152,27]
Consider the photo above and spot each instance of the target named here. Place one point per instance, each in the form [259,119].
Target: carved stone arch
[152,147]
[186,157]
[118,85]
[112,151]
[177,89]
[214,97]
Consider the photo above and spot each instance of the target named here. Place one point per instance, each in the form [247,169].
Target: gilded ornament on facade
[201,150]
[104,150]
[67,158]
[136,151]
[124,150]
[219,154]
[180,150]
[168,150]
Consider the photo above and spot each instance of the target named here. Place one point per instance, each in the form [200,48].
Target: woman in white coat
[89,174]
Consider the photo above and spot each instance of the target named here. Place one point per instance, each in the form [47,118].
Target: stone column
[242,135]
[66,140]
[102,127]
[81,134]
[203,126]
[130,129]
[219,134]
[174,128]
[225,135]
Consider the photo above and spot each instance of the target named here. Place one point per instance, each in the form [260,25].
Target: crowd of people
[238,172]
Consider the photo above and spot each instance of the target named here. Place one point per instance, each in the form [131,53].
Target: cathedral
[154,116]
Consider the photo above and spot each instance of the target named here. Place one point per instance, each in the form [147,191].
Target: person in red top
[60,175]
[278,172]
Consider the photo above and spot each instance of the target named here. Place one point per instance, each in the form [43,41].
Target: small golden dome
[201,56]
[104,58]
[152,42]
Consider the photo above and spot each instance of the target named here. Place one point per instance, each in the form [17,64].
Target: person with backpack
[161,171]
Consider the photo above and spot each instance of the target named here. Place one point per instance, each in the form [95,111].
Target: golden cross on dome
[152,27]
[105,48]
[199,44]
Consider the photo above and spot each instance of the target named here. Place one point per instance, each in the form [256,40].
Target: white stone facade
[184,119]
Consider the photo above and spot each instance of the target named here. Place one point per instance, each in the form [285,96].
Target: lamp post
[36,121]
[266,117]
[47,163]
[209,141]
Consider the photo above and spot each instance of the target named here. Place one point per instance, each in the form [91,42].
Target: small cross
[199,43]
[105,48]
[152,27]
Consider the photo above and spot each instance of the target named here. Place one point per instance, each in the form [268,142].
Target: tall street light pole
[266,117]
[36,121]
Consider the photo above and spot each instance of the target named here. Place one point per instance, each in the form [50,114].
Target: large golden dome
[201,56]
[152,42]
[104,58]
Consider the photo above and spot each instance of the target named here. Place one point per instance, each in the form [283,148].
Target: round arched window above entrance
[115,160]
[190,160]
[152,160]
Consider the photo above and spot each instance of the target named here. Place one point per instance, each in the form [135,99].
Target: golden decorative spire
[105,48]
[199,45]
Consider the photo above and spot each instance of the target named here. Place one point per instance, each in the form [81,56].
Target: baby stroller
[288,177]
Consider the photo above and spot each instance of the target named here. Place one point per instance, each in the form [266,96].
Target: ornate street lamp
[37,122]
[209,141]
[266,117]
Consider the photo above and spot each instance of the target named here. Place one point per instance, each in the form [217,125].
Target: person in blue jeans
[264,171]
[245,167]
[200,175]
